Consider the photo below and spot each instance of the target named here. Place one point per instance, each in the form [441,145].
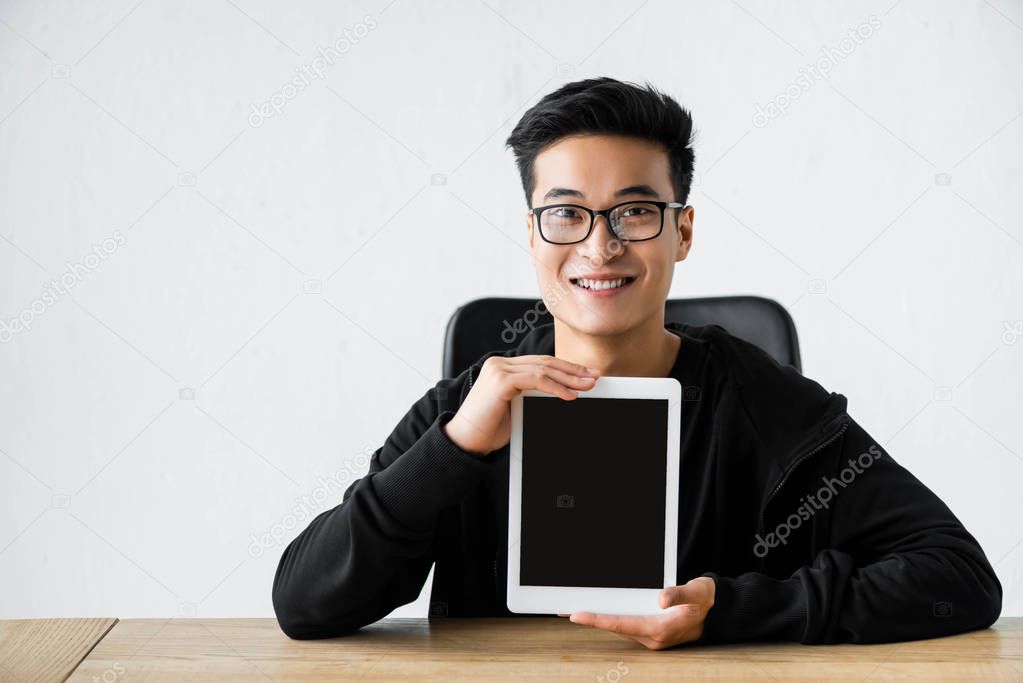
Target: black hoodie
[810,530]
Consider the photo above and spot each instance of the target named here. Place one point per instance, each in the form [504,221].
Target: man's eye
[635,211]
[565,212]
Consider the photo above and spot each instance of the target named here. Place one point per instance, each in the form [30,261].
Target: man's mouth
[603,284]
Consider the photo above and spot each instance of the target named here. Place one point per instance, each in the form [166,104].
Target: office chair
[496,323]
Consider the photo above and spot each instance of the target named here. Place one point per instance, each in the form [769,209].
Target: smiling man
[794,524]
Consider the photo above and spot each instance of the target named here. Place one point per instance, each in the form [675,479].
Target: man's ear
[529,228]
[684,232]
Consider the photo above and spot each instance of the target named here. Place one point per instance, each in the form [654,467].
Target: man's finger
[676,595]
[616,623]
[689,593]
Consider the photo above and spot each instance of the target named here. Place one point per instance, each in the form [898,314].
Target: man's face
[600,171]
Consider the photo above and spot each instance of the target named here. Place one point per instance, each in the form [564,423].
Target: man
[794,524]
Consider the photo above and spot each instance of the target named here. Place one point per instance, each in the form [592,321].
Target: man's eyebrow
[556,192]
[644,190]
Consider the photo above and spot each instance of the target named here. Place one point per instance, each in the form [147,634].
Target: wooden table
[517,649]
[47,649]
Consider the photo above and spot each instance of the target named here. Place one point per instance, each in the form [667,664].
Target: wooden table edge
[114,621]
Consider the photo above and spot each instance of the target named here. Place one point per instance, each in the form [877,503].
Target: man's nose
[601,246]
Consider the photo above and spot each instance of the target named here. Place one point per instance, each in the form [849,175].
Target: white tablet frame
[565,600]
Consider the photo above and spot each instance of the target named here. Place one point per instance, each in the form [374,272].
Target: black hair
[606,106]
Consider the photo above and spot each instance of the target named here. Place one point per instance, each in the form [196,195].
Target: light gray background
[279,299]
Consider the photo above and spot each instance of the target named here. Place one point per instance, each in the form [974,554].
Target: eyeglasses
[629,221]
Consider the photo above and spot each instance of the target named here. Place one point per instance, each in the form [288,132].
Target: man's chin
[597,323]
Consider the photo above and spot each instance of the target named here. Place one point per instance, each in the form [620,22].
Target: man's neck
[649,350]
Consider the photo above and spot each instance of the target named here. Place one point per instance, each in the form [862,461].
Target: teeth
[600,284]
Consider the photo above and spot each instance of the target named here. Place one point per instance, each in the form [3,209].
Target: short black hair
[610,107]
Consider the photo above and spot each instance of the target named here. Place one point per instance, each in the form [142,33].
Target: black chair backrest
[499,324]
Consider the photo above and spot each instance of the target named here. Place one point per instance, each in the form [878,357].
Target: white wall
[121,495]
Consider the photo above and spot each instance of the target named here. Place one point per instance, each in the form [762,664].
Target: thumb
[678,595]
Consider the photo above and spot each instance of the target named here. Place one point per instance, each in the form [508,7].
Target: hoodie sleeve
[357,562]
[896,565]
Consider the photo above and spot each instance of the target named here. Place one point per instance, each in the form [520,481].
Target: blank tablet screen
[593,488]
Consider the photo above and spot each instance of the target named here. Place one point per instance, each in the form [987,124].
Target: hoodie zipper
[792,468]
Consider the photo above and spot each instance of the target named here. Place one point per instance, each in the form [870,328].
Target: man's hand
[483,422]
[685,608]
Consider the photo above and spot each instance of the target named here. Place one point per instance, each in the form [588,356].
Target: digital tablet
[593,497]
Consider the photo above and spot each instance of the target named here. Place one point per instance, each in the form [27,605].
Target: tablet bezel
[565,600]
